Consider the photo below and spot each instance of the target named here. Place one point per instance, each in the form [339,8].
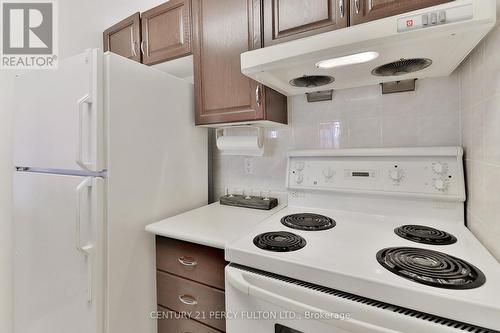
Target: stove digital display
[360,174]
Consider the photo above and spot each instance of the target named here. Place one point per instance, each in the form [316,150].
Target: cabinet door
[369,10]
[124,38]
[223,29]
[180,323]
[166,32]
[285,20]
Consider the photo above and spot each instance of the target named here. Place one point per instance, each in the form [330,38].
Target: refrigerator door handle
[86,165]
[86,249]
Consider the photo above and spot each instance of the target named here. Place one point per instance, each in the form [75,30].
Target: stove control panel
[428,175]
[428,19]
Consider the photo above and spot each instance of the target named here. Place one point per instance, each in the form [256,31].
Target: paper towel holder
[219,132]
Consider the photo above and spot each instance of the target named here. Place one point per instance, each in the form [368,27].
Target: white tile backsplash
[399,130]
[360,117]
[491,133]
[480,115]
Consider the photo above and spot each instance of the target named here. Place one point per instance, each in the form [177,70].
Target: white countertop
[213,225]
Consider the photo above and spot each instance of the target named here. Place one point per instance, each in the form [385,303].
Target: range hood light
[358,58]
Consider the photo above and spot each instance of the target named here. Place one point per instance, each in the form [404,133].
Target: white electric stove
[372,240]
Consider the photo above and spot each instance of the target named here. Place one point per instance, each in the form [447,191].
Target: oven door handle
[236,278]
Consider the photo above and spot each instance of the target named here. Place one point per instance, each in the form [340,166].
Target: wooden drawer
[195,262]
[177,293]
[181,325]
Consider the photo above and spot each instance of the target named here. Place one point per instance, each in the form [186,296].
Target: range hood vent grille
[312,81]
[402,67]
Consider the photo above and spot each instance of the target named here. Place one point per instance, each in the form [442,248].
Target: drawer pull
[188,300]
[187,261]
[258,95]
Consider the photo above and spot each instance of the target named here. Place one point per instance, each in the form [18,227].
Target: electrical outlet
[248,165]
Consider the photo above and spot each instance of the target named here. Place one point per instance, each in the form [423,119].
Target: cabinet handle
[257,95]
[134,46]
[357,5]
[187,261]
[341,8]
[85,250]
[132,43]
[188,300]
[142,47]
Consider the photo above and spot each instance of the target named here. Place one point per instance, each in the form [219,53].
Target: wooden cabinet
[191,261]
[186,296]
[124,38]
[285,20]
[181,324]
[368,10]
[190,280]
[166,31]
[222,30]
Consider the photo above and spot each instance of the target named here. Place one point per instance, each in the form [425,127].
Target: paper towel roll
[240,145]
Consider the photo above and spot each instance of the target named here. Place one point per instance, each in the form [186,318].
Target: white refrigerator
[103,146]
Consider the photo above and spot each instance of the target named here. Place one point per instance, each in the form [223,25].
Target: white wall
[360,117]
[6,255]
[80,27]
[117,10]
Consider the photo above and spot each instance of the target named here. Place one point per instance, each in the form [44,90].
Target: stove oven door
[266,303]
[250,314]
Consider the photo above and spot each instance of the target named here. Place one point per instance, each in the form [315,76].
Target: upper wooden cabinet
[166,31]
[285,20]
[222,30]
[124,38]
[368,10]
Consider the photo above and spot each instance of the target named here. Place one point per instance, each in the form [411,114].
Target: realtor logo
[28,34]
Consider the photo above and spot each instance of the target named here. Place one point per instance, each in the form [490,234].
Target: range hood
[424,43]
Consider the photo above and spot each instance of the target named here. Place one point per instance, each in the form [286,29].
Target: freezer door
[59,116]
[58,265]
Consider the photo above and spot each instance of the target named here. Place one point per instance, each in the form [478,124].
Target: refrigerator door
[59,116]
[157,167]
[58,267]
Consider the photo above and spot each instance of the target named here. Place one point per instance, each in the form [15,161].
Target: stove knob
[396,175]
[440,185]
[328,173]
[439,168]
[299,179]
[299,166]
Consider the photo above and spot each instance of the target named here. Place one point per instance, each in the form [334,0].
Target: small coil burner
[431,268]
[425,235]
[279,241]
[308,222]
